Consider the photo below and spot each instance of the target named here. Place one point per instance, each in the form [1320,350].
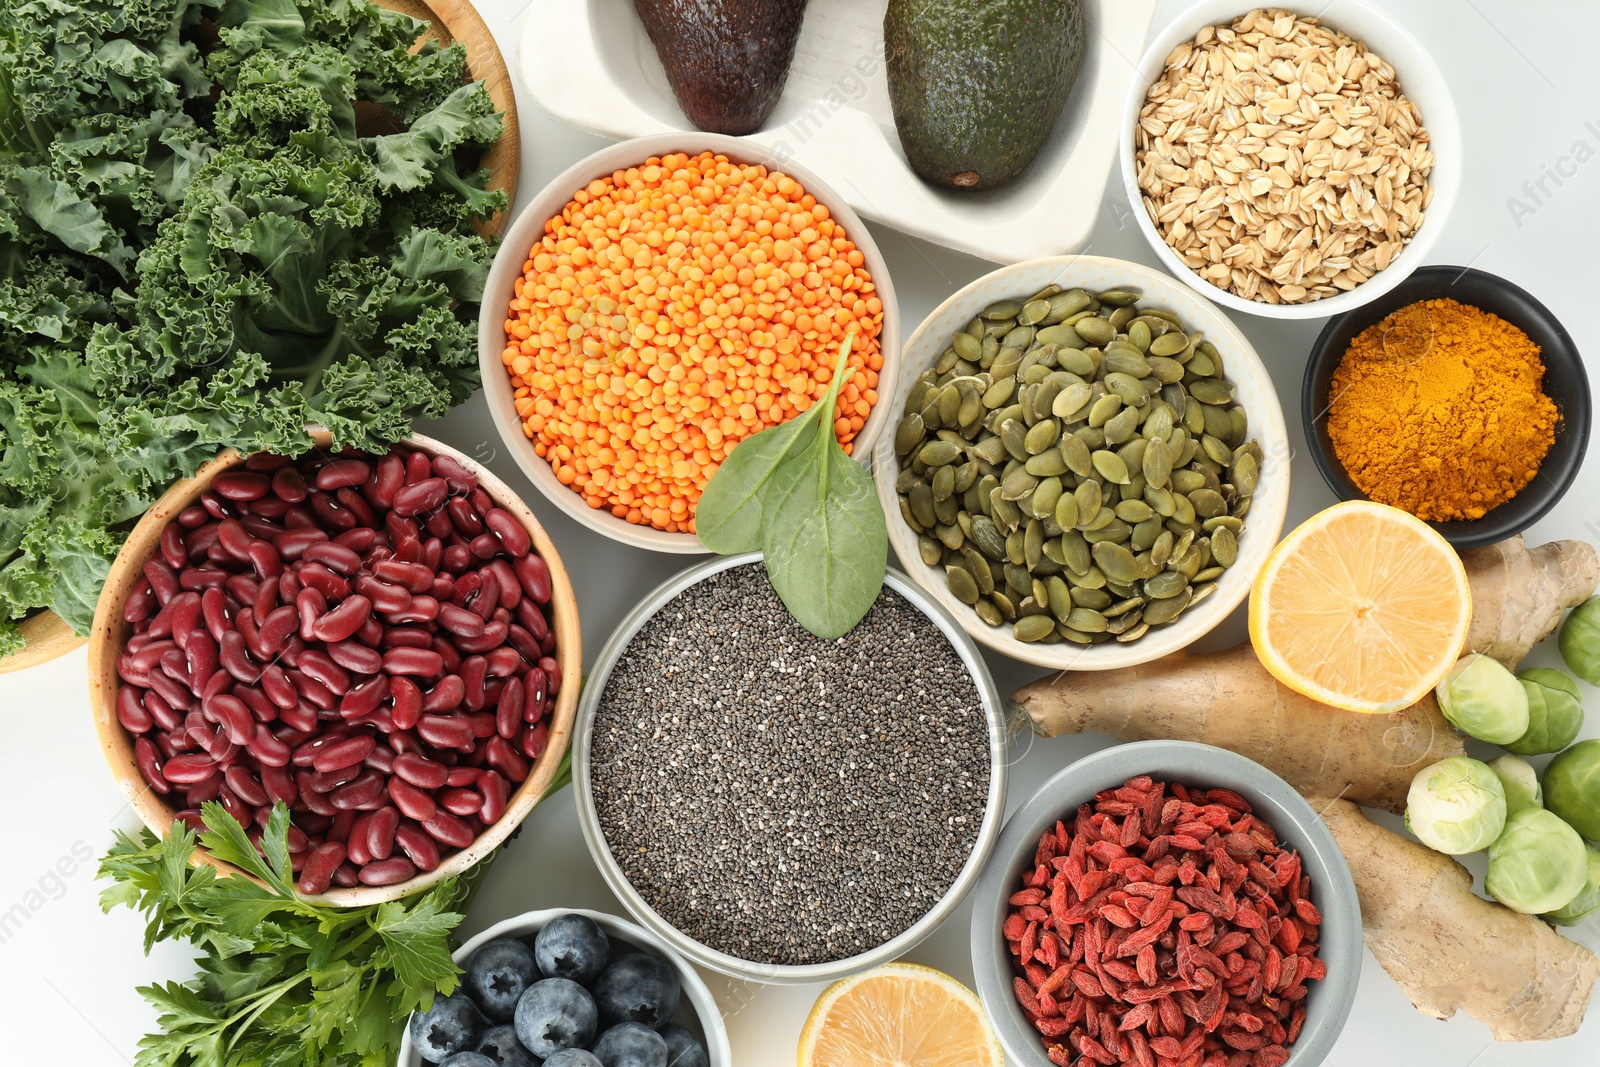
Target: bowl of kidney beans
[1166,902]
[388,644]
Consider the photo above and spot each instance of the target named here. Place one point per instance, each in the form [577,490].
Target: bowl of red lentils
[664,299]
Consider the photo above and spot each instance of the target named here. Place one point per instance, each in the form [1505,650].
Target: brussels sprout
[1572,787]
[1484,699]
[1555,712]
[1580,641]
[1520,782]
[1456,806]
[1537,864]
[1587,902]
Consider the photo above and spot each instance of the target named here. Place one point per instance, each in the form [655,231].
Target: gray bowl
[704,955]
[1328,1002]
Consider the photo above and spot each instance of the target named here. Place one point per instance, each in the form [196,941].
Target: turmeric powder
[1439,410]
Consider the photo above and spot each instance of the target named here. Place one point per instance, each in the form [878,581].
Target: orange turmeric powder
[1439,410]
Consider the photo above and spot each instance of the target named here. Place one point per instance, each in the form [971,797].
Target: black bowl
[1565,382]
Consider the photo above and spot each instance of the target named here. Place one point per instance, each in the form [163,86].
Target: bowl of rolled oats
[1289,165]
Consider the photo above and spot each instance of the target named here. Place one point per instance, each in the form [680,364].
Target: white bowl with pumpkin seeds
[1181,553]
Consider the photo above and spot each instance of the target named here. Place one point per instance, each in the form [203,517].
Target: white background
[1522,75]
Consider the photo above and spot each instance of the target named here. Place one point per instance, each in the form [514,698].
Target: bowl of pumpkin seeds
[1088,465]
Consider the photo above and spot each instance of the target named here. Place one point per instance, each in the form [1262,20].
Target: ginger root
[1450,949]
[1519,594]
[1229,700]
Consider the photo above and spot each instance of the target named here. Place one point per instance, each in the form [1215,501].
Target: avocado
[726,60]
[976,85]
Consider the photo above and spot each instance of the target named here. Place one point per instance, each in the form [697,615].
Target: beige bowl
[1254,390]
[47,636]
[528,227]
[111,633]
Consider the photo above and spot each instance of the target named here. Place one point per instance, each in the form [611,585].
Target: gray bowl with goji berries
[1234,926]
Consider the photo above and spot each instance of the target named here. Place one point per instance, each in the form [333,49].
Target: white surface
[834,117]
[528,227]
[1253,389]
[697,1009]
[1420,80]
[67,973]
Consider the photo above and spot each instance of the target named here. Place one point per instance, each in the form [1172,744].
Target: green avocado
[977,85]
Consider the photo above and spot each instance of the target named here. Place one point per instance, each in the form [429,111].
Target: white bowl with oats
[1289,165]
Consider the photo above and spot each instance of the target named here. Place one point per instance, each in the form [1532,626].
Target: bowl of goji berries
[1166,903]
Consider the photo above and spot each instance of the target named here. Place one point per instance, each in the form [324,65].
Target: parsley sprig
[283,981]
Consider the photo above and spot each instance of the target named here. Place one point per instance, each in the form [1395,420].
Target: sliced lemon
[1363,607]
[899,1015]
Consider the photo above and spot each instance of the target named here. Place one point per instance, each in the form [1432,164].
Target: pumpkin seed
[1088,496]
[1158,612]
[1034,311]
[987,538]
[1018,484]
[1244,475]
[1006,513]
[1014,435]
[1046,496]
[950,534]
[1116,562]
[1121,624]
[1101,411]
[1033,628]
[1134,634]
[1110,466]
[1001,310]
[1121,426]
[1096,331]
[988,612]
[1003,601]
[1043,435]
[1169,344]
[1018,580]
[1160,548]
[1076,455]
[1224,547]
[1046,464]
[1166,584]
[1086,620]
[930,550]
[910,517]
[921,499]
[1144,536]
[1213,391]
[1126,386]
[1059,597]
[1208,502]
[1216,449]
[1066,511]
[962,584]
[998,394]
[1076,550]
[1133,511]
[1033,544]
[938,453]
[1080,361]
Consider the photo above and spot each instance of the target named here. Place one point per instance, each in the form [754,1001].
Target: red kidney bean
[420,771]
[495,792]
[460,621]
[341,824]
[305,754]
[533,620]
[440,526]
[172,547]
[164,715]
[192,516]
[380,832]
[347,876]
[289,485]
[445,695]
[260,707]
[295,837]
[191,818]
[493,636]
[319,667]
[244,785]
[342,472]
[412,802]
[504,662]
[334,556]
[265,461]
[422,662]
[234,717]
[407,702]
[266,598]
[387,477]
[503,757]
[148,657]
[371,632]
[380,759]
[319,870]
[311,605]
[474,673]
[459,801]
[132,712]
[200,579]
[400,528]
[265,559]
[413,577]
[408,549]
[552,674]
[302,717]
[346,753]
[343,621]
[269,507]
[148,759]
[215,506]
[241,485]
[188,769]
[235,540]
[405,637]
[452,656]
[365,698]
[535,576]
[506,582]
[383,596]
[141,602]
[169,690]
[463,777]
[206,789]
[268,751]
[360,540]
[417,845]
[508,710]
[455,559]
[420,497]
[357,505]
[201,657]
[534,738]
[484,546]
[331,513]
[446,829]
[418,467]
[451,470]
[510,533]
[277,687]
[260,527]
[446,732]
[463,518]
[292,544]
[488,596]
[523,642]
[422,608]
[357,657]
[275,630]
[214,610]
[357,848]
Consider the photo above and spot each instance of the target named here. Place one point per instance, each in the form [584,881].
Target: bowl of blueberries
[569,988]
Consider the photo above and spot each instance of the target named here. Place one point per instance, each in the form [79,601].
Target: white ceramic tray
[588,64]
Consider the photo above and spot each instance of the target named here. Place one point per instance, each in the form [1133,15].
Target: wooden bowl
[455,21]
[111,632]
[48,636]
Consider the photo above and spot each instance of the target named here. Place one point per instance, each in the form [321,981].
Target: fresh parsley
[791,492]
[283,981]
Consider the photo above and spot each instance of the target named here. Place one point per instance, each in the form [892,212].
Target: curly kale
[220,220]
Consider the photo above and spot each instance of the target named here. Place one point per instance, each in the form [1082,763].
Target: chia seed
[781,798]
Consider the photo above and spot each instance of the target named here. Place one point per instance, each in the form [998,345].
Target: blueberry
[631,1045]
[500,1044]
[572,946]
[640,988]
[452,1024]
[683,1048]
[468,1059]
[572,1057]
[497,974]
[554,1014]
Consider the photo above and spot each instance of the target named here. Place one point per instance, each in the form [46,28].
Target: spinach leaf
[823,532]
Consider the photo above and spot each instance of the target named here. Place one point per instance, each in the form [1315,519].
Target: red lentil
[1166,928]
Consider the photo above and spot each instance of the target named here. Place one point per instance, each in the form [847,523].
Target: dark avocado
[726,60]
[977,85]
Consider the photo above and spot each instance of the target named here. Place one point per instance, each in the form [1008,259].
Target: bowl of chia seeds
[778,807]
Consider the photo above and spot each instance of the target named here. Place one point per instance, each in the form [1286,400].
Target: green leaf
[823,532]
[728,517]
